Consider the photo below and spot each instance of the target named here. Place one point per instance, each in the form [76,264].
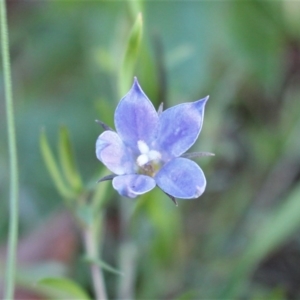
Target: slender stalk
[14,189]
[97,276]
[128,254]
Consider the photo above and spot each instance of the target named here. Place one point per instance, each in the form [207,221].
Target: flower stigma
[149,161]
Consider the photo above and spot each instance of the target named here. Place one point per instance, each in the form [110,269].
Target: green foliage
[63,288]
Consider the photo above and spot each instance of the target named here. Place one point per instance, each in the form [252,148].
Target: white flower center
[143,147]
[142,160]
[148,160]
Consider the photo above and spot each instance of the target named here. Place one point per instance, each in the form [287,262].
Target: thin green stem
[14,189]
[96,272]
[128,254]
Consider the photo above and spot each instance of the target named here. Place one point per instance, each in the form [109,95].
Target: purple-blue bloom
[147,147]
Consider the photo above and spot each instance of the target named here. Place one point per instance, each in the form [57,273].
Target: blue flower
[147,148]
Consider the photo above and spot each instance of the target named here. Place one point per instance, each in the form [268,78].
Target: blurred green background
[241,239]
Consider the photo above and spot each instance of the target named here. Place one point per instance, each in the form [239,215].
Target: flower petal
[135,117]
[133,185]
[181,178]
[114,154]
[179,128]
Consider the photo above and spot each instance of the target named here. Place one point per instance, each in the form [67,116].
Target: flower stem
[14,189]
[128,254]
[97,276]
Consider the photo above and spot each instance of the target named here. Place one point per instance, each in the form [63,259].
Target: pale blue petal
[133,185]
[181,178]
[135,117]
[114,154]
[179,128]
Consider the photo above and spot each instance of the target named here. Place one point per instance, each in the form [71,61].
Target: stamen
[148,161]
[143,147]
[142,160]
[154,155]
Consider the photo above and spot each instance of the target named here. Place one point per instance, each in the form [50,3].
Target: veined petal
[133,185]
[113,153]
[179,127]
[181,178]
[135,117]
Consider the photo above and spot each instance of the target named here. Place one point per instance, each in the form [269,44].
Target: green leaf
[130,56]
[63,288]
[67,160]
[53,169]
[103,265]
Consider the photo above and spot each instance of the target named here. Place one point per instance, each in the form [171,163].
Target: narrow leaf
[53,169]
[103,265]
[130,56]
[67,160]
